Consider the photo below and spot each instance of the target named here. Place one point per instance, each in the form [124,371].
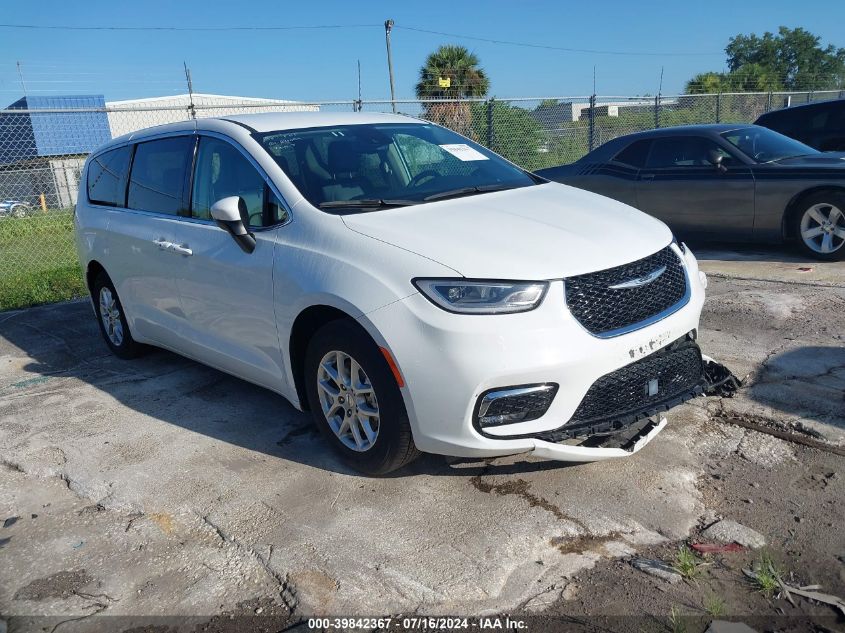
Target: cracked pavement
[160,486]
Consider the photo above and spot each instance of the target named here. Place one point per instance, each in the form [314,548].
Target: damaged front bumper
[622,443]
[623,433]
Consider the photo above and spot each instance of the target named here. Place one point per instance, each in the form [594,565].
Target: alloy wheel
[348,401]
[823,228]
[110,316]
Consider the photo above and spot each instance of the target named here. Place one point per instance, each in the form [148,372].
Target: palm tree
[449,74]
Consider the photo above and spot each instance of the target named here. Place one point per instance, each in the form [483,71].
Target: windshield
[365,167]
[764,145]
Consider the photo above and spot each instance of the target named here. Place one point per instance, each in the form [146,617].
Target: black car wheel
[819,226]
[355,400]
[112,320]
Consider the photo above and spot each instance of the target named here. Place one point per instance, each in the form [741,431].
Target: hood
[544,231]
[835,160]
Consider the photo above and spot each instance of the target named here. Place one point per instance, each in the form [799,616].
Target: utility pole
[657,100]
[191,109]
[388,25]
[20,74]
[360,103]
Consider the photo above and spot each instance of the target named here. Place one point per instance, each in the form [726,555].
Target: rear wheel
[112,320]
[819,226]
[355,401]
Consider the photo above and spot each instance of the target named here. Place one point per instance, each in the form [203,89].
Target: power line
[56,27]
[555,48]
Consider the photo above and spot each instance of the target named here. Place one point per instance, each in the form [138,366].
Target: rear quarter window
[107,177]
[635,154]
[159,177]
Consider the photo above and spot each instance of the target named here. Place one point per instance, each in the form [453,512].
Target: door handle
[647,177]
[181,250]
[163,244]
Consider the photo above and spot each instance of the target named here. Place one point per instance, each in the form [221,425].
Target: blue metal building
[33,134]
[42,153]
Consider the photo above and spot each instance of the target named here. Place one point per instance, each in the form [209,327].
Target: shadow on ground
[738,252]
[805,381]
[62,341]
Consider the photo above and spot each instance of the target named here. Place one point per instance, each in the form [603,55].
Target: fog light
[515,404]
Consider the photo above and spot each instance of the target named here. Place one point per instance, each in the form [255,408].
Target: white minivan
[412,289]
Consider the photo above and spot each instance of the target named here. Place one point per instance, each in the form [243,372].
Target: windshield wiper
[466,191]
[369,203]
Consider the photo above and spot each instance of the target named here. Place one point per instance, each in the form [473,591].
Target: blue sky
[322,64]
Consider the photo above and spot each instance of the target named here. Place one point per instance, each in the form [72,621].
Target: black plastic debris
[719,380]
[10,522]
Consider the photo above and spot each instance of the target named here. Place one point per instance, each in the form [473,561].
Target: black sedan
[724,182]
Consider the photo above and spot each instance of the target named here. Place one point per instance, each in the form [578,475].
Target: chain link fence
[44,142]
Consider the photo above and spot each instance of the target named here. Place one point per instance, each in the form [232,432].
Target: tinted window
[223,171]
[635,154]
[684,151]
[107,177]
[819,120]
[836,121]
[159,174]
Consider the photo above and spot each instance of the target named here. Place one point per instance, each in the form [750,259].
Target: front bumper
[584,452]
[448,361]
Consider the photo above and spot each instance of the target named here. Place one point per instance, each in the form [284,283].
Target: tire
[112,320]
[819,226]
[370,444]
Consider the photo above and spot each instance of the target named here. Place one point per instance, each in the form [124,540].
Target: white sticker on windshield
[464,152]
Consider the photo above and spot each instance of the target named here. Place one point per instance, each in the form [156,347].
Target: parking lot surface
[160,486]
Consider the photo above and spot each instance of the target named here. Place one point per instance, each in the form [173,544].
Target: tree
[794,56]
[706,83]
[450,74]
[516,134]
[791,60]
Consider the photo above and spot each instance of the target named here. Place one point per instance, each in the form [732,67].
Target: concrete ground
[162,487]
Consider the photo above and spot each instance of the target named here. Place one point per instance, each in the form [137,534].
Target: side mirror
[227,213]
[716,159]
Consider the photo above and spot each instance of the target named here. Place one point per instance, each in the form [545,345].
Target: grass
[766,575]
[38,262]
[687,563]
[676,621]
[715,606]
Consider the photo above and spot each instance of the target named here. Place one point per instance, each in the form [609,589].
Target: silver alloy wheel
[823,228]
[110,316]
[348,401]
[18,212]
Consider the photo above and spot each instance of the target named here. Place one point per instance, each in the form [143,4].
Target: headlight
[483,297]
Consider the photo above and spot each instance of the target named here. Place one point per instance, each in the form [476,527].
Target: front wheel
[355,400]
[819,226]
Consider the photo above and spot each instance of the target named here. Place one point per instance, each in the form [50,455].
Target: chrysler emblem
[640,281]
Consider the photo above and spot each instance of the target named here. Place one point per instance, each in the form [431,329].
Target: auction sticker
[464,152]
